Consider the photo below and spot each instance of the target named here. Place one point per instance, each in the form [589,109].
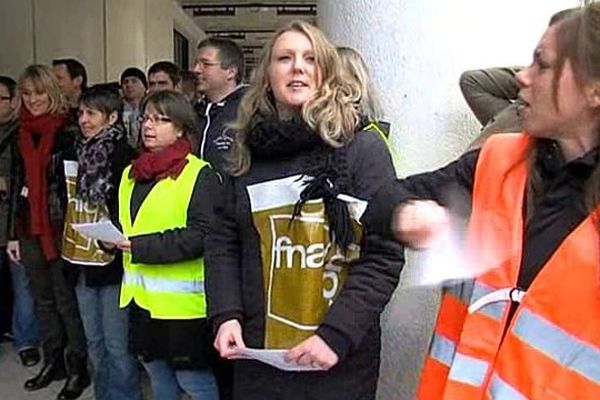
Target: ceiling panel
[249,23]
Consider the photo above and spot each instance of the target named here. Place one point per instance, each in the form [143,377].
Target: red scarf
[168,162]
[36,160]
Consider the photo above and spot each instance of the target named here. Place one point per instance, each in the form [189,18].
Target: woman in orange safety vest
[528,325]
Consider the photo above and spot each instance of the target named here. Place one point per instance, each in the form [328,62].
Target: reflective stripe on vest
[551,349]
[168,291]
[373,126]
[442,349]
[559,345]
[162,285]
[500,390]
[494,310]
[468,370]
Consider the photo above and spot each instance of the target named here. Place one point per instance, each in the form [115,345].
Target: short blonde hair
[43,80]
[332,111]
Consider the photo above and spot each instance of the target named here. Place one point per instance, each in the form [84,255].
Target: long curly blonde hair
[356,68]
[331,111]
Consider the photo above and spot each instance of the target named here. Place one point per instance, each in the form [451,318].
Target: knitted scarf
[94,175]
[168,162]
[37,135]
[280,140]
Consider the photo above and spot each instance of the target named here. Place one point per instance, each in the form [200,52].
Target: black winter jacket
[215,137]
[8,139]
[112,273]
[351,328]
[558,211]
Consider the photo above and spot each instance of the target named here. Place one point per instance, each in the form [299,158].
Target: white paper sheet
[274,358]
[103,230]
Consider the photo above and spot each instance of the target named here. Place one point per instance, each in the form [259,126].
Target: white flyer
[104,231]
[274,358]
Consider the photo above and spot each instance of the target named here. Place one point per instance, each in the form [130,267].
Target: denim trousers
[115,370]
[167,382]
[24,321]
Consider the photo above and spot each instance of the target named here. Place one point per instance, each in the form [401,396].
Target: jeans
[167,383]
[106,326]
[24,321]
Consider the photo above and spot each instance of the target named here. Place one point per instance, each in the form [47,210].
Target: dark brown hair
[578,41]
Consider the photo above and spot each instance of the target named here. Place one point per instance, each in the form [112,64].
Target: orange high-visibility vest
[550,349]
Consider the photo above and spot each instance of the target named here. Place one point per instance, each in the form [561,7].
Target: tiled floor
[13,375]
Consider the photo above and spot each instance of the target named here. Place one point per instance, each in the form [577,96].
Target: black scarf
[94,175]
[279,140]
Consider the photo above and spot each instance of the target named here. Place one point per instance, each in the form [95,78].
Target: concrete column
[416,51]
[16,36]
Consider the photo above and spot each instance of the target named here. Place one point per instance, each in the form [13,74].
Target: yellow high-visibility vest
[375,126]
[167,291]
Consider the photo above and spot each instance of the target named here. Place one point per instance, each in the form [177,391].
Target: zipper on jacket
[204,134]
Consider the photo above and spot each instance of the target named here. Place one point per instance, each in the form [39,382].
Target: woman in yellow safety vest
[164,211]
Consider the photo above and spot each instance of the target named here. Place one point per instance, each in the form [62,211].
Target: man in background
[134,86]
[72,79]
[164,75]
[220,71]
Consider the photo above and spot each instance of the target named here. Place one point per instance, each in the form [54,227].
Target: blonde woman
[288,228]
[35,219]
[355,68]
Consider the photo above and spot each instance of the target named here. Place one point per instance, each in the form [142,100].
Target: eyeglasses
[153,118]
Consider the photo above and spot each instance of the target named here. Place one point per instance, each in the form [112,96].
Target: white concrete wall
[71,29]
[106,35]
[125,36]
[16,36]
[416,51]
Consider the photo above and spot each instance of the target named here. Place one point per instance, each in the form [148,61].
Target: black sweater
[557,212]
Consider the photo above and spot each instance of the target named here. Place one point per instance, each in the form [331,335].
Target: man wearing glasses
[220,71]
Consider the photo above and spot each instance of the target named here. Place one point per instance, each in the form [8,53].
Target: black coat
[558,211]
[112,273]
[8,139]
[351,327]
[215,136]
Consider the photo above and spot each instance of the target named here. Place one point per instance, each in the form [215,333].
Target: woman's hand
[229,338]
[124,245]
[14,251]
[313,351]
[108,245]
[417,223]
